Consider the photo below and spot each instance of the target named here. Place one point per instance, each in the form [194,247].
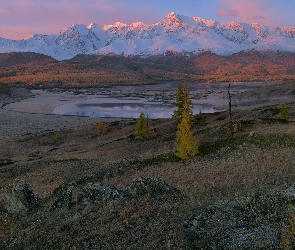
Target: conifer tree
[183,103]
[186,143]
[284,112]
[141,127]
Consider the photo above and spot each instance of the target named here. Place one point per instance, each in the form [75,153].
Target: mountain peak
[92,25]
[171,14]
[171,20]
[176,32]
[119,25]
[78,28]
[206,22]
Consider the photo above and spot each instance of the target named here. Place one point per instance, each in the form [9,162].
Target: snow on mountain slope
[174,32]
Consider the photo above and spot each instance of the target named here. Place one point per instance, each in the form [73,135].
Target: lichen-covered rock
[96,191]
[261,237]
[19,197]
[255,224]
[151,186]
[65,199]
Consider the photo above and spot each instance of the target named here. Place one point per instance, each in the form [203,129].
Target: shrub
[200,115]
[288,230]
[102,128]
[57,136]
[236,128]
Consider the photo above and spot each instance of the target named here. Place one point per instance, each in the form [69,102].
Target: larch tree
[186,143]
[141,127]
[183,103]
[284,112]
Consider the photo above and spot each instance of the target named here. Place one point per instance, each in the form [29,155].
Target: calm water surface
[131,108]
[113,107]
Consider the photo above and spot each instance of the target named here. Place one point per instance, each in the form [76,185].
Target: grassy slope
[35,70]
[259,157]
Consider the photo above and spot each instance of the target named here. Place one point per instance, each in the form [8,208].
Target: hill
[38,71]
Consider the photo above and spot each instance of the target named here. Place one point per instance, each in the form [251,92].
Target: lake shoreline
[30,111]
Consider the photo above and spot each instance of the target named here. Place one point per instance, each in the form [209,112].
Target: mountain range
[174,33]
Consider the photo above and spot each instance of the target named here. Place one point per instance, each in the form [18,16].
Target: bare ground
[259,158]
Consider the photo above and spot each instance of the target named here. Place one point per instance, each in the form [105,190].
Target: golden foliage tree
[141,127]
[144,128]
[57,136]
[284,112]
[183,103]
[186,143]
[102,128]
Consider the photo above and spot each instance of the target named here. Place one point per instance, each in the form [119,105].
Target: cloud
[191,3]
[247,11]
[227,12]
[53,16]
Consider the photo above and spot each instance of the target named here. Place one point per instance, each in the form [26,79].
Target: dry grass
[30,69]
[258,158]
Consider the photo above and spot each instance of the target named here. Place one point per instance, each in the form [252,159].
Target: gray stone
[151,186]
[65,199]
[19,197]
[96,191]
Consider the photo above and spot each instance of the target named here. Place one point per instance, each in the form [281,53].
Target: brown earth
[40,71]
[258,158]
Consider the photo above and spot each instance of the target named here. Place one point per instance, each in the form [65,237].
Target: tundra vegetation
[284,112]
[40,71]
[106,192]
[57,136]
[144,128]
[102,128]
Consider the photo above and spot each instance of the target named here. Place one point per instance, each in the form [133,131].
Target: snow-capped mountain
[175,33]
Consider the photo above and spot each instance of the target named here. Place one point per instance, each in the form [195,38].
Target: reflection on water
[112,107]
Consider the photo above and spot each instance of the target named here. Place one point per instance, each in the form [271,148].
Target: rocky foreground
[91,191]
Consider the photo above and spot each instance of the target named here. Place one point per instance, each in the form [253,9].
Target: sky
[22,18]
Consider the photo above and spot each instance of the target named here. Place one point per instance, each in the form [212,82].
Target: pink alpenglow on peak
[174,33]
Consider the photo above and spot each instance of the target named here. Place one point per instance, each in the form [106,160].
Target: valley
[90,156]
[38,71]
[117,189]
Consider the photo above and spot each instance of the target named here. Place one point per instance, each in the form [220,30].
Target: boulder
[151,186]
[96,191]
[65,199]
[19,197]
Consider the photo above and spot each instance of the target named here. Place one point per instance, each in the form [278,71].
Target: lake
[130,101]
[123,108]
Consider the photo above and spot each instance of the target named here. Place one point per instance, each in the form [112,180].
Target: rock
[230,225]
[19,197]
[263,237]
[151,186]
[96,191]
[65,199]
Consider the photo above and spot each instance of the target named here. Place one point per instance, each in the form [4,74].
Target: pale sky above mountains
[19,19]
